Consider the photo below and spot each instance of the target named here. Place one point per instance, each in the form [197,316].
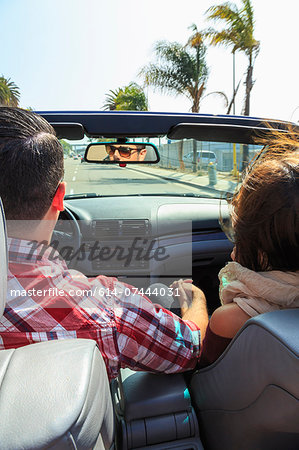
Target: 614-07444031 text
[99,290]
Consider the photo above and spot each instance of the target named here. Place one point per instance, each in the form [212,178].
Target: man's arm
[193,304]
[149,337]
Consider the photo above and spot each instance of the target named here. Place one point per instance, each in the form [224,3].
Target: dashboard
[146,239]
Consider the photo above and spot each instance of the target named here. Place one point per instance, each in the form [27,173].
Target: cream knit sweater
[258,292]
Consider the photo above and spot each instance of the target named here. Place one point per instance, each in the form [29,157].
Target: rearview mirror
[127,153]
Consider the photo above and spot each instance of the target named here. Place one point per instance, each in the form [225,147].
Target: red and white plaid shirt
[46,300]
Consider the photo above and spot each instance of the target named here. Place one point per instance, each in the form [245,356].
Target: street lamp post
[235,172]
[234,82]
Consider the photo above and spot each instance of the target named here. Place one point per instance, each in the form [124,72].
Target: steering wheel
[66,238]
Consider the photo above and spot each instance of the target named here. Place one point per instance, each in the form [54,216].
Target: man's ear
[57,202]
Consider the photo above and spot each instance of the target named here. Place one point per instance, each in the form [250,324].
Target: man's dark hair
[31,164]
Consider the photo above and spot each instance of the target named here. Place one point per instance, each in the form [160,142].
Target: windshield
[187,168]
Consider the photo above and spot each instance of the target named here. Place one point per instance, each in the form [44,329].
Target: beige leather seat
[53,395]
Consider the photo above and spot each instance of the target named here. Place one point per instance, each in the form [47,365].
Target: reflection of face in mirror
[126,152]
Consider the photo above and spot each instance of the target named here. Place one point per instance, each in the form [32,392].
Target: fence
[169,153]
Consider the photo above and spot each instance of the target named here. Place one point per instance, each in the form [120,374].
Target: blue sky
[67,54]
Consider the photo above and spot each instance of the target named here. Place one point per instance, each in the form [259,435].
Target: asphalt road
[115,180]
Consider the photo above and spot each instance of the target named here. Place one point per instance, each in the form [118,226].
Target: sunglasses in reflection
[124,152]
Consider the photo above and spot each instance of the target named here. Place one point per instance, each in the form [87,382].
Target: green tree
[237,34]
[67,148]
[179,70]
[9,92]
[127,98]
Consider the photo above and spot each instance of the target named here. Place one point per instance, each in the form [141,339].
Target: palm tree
[127,98]
[9,92]
[180,70]
[111,100]
[238,34]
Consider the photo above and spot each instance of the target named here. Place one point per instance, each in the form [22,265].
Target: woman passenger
[264,273]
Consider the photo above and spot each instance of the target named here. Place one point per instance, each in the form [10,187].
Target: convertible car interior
[148,223]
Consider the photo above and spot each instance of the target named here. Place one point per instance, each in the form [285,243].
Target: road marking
[74,179]
[71,191]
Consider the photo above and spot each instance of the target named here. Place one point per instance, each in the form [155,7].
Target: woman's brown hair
[265,211]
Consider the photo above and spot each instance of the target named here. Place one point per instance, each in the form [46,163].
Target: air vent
[106,228]
[120,228]
[134,228]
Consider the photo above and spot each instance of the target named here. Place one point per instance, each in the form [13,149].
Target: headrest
[3,260]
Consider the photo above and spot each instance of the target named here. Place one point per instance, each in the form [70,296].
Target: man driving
[126,152]
[45,299]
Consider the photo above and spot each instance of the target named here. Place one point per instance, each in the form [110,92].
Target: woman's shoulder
[227,320]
